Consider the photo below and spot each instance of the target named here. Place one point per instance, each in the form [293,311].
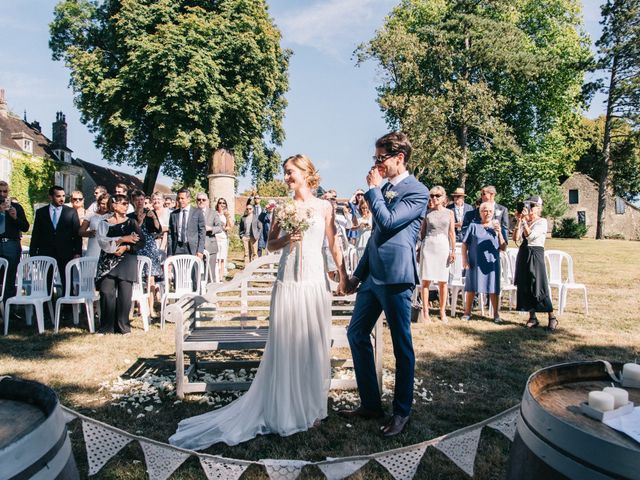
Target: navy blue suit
[389,273]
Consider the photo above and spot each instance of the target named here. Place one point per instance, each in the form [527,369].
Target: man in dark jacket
[13,222]
[55,231]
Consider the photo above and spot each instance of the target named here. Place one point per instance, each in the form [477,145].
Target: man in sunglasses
[387,275]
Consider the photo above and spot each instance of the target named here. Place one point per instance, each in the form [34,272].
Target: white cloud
[334,27]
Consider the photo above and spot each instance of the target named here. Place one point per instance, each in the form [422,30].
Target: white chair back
[554,260]
[86,277]
[180,268]
[4,264]
[34,271]
[455,271]
[143,271]
[506,270]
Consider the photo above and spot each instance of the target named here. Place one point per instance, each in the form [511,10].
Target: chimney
[4,112]
[60,131]
[36,126]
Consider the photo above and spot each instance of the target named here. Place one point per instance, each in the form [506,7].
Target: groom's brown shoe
[362,412]
[395,426]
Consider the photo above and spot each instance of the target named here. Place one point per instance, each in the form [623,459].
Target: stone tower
[222,179]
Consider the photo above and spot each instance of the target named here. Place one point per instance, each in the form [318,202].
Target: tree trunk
[464,145]
[606,154]
[150,178]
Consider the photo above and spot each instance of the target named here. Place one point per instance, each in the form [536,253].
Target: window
[619,206]
[573,197]
[28,146]
[582,217]
[5,169]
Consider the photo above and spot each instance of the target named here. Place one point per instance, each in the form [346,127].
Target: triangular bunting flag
[102,444]
[340,470]
[283,469]
[402,465]
[462,449]
[161,461]
[68,415]
[506,424]
[218,469]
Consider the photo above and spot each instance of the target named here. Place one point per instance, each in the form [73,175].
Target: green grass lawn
[471,371]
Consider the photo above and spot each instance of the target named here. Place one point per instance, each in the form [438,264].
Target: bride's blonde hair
[305,164]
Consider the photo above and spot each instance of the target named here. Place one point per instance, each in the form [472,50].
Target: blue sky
[332,114]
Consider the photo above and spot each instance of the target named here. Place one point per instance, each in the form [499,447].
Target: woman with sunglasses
[119,238]
[438,250]
[223,237]
[90,224]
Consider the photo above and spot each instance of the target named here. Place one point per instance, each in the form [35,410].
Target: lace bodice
[306,264]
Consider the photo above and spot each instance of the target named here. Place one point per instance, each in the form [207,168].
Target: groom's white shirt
[395,180]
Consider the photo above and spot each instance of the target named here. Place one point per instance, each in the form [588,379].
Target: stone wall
[626,225]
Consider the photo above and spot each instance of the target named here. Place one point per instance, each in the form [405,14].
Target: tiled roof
[110,177]
[13,126]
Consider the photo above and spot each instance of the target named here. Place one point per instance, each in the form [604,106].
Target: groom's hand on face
[374,178]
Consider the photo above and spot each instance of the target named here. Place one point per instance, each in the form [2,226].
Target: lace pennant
[340,470]
[102,444]
[462,449]
[402,465]
[506,424]
[216,469]
[161,461]
[283,469]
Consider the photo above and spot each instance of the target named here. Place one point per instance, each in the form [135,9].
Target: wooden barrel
[554,440]
[34,443]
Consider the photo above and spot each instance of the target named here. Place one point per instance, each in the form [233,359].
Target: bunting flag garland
[462,448]
[283,469]
[506,424]
[402,464]
[161,461]
[104,441]
[221,469]
[102,444]
[340,470]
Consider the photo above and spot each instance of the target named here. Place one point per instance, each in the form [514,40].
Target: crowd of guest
[120,225]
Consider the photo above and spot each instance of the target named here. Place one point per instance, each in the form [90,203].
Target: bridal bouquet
[294,220]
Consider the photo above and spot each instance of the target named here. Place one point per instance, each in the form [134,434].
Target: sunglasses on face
[77,199]
[435,195]
[381,158]
[201,200]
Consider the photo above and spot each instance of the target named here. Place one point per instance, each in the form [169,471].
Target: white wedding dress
[290,389]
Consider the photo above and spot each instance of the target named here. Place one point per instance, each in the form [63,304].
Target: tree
[163,83]
[482,87]
[624,151]
[619,58]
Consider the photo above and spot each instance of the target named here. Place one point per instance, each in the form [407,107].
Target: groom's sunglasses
[381,158]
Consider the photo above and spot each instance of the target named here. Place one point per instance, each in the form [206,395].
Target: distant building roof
[14,128]
[110,177]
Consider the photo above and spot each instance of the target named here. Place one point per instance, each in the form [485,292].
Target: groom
[387,274]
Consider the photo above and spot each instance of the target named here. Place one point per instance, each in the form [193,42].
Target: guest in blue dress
[481,247]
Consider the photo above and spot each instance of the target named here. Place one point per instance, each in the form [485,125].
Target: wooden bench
[234,316]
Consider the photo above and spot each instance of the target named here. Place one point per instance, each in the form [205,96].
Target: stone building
[222,179]
[622,219]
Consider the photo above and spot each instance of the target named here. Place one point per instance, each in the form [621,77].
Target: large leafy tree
[163,83]
[485,89]
[619,58]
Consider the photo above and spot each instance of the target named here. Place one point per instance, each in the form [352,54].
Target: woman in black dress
[530,272]
[119,238]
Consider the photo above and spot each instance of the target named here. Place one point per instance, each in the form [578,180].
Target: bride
[290,390]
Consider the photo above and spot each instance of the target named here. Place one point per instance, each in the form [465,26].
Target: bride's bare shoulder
[324,206]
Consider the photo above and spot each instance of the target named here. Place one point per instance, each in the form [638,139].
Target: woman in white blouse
[530,273]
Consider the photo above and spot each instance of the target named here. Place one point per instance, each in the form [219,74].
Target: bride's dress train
[289,392]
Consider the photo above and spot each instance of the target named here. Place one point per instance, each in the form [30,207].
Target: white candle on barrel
[601,401]
[631,371]
[620,396]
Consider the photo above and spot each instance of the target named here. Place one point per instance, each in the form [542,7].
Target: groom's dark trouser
[371,300]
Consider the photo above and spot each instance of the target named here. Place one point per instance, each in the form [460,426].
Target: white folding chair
[182,275]
[39,271]
[207,274]
[556,258]
[456,281]
[4,264]
[80,289]
[507,270]
[141,290]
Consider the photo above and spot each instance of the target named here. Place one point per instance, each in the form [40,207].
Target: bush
[569,228]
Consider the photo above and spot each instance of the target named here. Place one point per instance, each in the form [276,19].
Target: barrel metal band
[42,462]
